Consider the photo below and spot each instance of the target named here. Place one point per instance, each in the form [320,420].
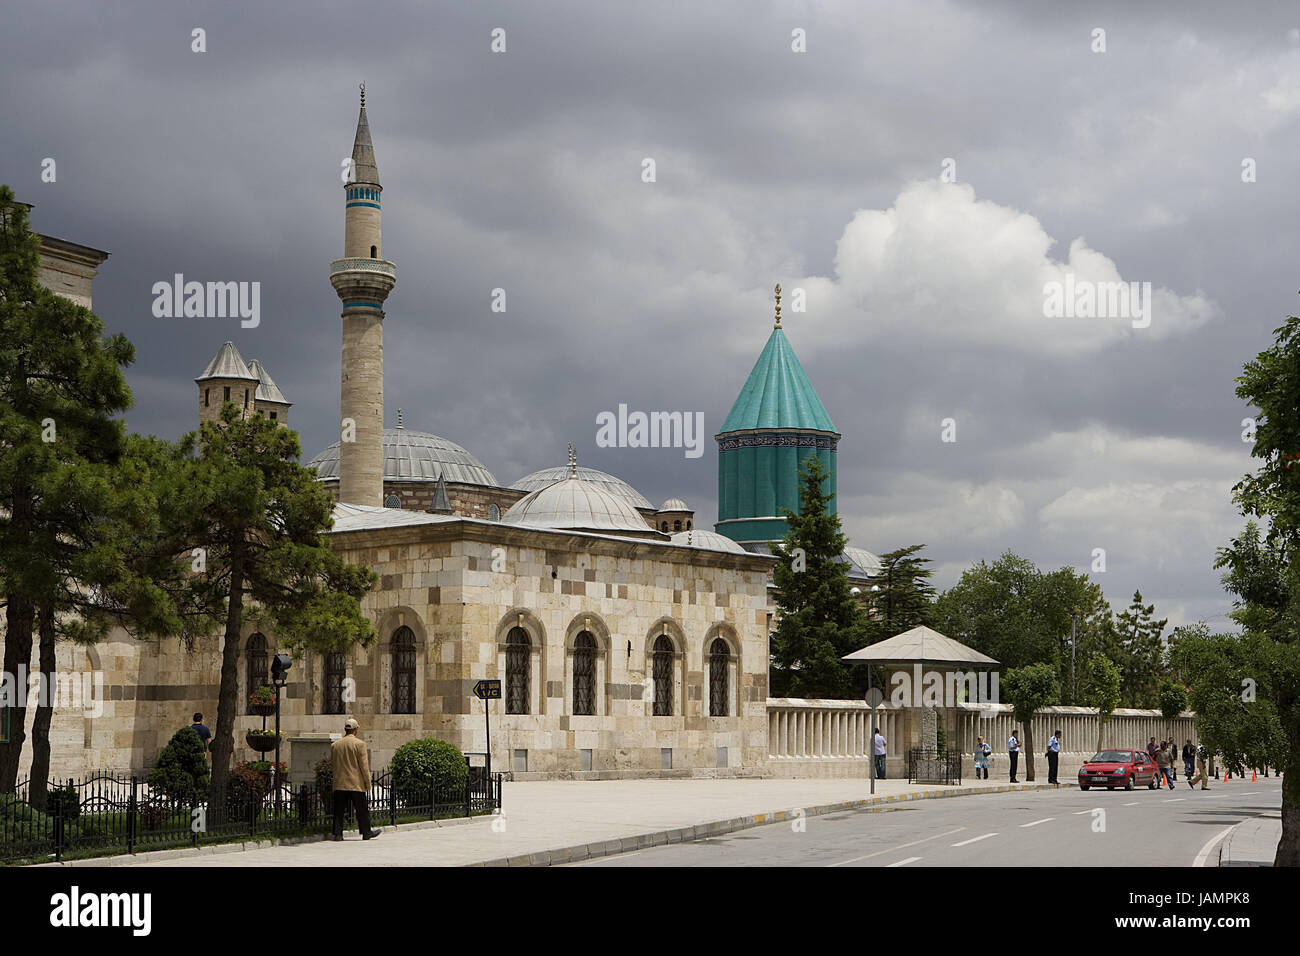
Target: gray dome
[862,562]
[617,486]
[674,504]
[709,540]
[415,456]
[575,504]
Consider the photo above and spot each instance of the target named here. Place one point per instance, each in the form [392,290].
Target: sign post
[486,690]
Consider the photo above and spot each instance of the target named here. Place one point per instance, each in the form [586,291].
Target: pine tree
[820,621]
[61,386]
[1140,652]
[248,522]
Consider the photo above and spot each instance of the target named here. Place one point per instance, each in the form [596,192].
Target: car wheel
[1128,784]
[1152,784]
[1083,786]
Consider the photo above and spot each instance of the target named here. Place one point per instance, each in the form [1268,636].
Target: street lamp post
[279,677]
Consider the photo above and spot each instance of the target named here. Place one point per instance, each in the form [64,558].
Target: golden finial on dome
[573,462]
[363,94]
[778,305]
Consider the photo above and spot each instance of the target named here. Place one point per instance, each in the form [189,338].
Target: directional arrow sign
[488,690]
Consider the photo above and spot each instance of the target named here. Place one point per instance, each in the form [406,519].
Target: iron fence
[933,766]
[117,813]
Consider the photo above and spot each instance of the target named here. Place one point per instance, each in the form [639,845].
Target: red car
[1119,768]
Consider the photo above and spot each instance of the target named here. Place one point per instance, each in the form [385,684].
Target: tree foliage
[1102,690]
[1028,689]
[820,621]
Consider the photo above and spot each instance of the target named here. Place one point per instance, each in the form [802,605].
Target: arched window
[518,653]
[255,665]
[662,671]
[688,524]
[245,398]
[677,526]
[584,674]
[206,392]
[494,513]
[373,249]
[225,391]
[336,671]
[719,661]
[392,501]
[665,527]
[404,671]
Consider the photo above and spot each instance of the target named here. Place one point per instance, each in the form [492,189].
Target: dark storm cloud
[522,171]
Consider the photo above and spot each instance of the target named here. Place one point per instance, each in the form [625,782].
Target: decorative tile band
[778,439]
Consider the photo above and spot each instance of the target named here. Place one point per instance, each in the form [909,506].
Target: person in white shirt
[1013,750]
[1053,756]
[878,751]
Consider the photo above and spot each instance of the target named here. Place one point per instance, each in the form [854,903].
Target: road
[1065,827]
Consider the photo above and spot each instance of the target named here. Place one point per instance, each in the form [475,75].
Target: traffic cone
[1227,776]
[1252,776]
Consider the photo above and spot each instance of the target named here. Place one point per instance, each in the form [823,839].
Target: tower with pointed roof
[228,378]
[775,425]
[362,278]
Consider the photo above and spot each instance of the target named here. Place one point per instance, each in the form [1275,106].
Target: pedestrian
[982,751]
[878,751]
[1153,749]
[1165,761]
[1202,768]
[204,734]
[350,762]
[1053,756]
[1013,751]
[1173,754]
[1189,758]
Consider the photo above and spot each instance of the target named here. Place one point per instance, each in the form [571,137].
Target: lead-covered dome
[708,540]
[575,504]
[415,456]
[616,486]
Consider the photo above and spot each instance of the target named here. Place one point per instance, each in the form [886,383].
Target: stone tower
[362,279]
[777,423]
[226,379]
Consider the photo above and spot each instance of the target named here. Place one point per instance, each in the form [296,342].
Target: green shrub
[14,811]
[182,768]
[324,775]
[248,785]
[417,762]
[66,799]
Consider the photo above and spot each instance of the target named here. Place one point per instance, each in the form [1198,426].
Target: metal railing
[112,813]
[934,766]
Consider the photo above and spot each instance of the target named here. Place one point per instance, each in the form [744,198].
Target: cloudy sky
[922,170]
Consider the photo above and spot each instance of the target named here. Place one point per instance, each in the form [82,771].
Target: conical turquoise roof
[777,393]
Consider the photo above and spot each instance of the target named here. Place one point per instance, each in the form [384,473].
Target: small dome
[415,456]
[617,486]
[708,540]
[674,504]
[862,563]
[575,504]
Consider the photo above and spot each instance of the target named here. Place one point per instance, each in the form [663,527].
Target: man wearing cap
[350,761]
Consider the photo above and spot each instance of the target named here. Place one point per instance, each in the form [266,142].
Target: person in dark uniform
[1053,756]
[1013,751]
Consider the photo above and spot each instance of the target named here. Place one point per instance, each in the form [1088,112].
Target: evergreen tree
[1140,653]
[902,595]
[246,524]
[61,386]
[820,621]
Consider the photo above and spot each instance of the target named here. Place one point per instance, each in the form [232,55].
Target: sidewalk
[558,821]
[1253,842]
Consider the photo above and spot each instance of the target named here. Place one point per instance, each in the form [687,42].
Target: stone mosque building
[627,639]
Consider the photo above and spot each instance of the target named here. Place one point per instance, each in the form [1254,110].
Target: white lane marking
[1036,822]
[1079,813]
[1133,804]
[1250,793]
[910,859]
[1213,842]
[975,839]
[1175,799]
[902,846]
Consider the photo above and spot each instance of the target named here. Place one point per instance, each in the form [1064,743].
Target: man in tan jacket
[350,761]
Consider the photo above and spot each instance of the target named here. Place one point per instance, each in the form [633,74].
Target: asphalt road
[1064,827]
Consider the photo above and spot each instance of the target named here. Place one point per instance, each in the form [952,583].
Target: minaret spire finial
[778,305]
[363,94]
[399,418]
[573,462]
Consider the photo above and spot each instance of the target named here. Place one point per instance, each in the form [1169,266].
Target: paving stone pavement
[1253,842]
[558,821]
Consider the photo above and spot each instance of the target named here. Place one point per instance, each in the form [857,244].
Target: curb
[180,853]
[641,841]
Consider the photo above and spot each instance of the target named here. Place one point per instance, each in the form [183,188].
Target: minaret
[362,279]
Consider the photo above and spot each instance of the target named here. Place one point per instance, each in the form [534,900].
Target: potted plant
[261,702]
[262,741]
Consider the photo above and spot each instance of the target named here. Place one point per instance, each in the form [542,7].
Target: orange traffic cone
[1252,776]
[1227,776]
